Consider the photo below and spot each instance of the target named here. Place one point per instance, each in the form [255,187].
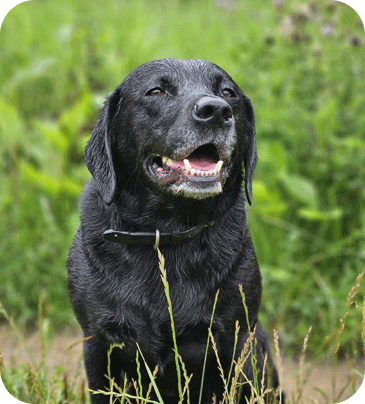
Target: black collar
[156,239]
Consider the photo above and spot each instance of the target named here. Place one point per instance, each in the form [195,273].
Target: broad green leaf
[38,68]
[316,215]
[42,179]
[11,124]
[50,131]
[273,155]
[265,201]
[51,184]
[76,117]
[70,187]
[300,188]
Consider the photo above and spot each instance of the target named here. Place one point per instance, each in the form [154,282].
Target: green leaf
[38,68]
[273,156]
[11,124]
[45,181]
[302,189]
[70,187]
[50,131]
[78,116]
[316,215]
[152,379]
[52,185]
[266,201]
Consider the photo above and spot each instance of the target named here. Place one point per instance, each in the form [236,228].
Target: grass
[33,383]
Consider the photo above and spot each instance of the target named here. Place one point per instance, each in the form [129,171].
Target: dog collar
[156,239]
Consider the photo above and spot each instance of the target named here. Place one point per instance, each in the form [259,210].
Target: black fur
[116,289]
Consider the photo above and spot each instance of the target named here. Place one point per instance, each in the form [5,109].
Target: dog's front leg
[96,365]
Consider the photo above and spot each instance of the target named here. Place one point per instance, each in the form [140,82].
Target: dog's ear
[250,153]
[100,151]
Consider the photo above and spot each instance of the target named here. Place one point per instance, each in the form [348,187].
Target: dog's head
[178,127]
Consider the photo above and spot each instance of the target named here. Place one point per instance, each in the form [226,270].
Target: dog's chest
[151,326]
[137,306]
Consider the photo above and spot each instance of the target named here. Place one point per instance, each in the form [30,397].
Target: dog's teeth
[214,172]
[198,172]
[219,165]
[167,161]
[187,165]
[192,171]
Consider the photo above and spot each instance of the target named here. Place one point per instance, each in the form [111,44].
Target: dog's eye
[228,93]
[155,92]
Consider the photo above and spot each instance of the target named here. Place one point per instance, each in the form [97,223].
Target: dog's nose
[212,110]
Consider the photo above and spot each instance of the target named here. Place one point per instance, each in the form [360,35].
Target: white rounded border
[6,6]
[359,7]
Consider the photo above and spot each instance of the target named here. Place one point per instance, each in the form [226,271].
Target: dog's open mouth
[199,174]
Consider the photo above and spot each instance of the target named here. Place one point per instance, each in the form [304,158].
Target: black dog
[166,160]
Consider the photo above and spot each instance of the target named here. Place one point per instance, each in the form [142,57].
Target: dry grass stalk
[82,397]
[279,363]
[363,327]
[244,356]
[34,386]
[301,380]
[350,302]
[187,381]
[256,397]
[217,356]
[150,385]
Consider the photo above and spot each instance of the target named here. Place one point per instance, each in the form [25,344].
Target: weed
[33,383]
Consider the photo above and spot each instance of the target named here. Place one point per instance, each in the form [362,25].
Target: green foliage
[302,64]
[33,382]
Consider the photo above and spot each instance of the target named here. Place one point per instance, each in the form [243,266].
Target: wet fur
[116,289]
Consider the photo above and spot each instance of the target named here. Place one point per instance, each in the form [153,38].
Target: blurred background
[303,66]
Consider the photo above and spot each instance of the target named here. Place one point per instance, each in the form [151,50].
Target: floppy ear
[100,151]
[250,153]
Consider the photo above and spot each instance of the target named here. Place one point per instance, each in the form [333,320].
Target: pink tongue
[198,163]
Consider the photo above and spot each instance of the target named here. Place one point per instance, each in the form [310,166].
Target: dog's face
[180,127]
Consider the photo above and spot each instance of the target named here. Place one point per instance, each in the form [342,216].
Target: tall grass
[33,383]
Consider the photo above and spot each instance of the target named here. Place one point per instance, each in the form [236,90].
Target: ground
[66,349]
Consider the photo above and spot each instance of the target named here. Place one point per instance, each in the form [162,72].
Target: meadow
[303,66]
